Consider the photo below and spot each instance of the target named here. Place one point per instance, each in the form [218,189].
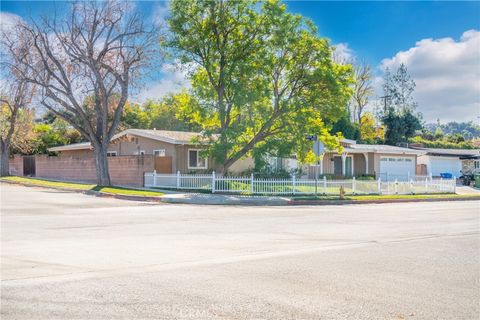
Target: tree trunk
[4,159]
[101,163]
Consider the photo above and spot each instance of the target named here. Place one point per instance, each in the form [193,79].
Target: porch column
[366,162]
[344,158]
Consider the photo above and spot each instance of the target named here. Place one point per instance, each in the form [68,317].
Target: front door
[337,166]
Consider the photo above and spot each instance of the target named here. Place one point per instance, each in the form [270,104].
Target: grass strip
[82,186]
[49,183]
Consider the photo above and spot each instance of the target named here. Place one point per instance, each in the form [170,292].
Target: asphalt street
[72,256]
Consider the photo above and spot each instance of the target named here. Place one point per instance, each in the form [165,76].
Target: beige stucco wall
[242,165]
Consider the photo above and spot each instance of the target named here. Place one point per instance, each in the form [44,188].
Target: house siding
[181,160]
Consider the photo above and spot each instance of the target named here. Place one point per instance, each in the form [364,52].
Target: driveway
[72,256]
[467,190]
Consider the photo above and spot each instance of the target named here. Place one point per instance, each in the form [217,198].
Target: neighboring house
[471,164]
[453,161]
[380,161]
[174,150]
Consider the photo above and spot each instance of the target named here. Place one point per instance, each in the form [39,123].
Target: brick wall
[16,165]
[124,170]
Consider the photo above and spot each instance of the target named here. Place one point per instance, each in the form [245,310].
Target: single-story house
[382,161]
[174,150]
[453,161]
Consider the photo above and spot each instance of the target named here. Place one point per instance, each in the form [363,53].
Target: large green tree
[400,126]
[262,77]
[164,114]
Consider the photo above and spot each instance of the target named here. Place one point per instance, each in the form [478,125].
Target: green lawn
[127,191]
[82,186]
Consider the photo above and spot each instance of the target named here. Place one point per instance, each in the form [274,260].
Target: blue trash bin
[446,175]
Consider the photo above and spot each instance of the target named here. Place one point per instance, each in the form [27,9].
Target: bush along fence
[294,186]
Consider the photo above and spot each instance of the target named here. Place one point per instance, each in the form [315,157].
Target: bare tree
[362,89]
[85,65]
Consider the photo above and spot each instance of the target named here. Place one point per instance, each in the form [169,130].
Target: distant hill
[469,130]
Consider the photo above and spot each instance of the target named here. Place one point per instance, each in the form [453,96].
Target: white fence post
[396,186]
[294,184]
[213,181]
[379,185]
[251,183]
[154,178]
[411,186]
[454,184]
[324,184]
[354,185]
[178,179]
[426,185]
[408,175]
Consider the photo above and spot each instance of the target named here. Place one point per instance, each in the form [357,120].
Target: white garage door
[400,168]
[440,165]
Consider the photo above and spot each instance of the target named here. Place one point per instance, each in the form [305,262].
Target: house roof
[173,137]
[381,148]
[449,152]
[73,146]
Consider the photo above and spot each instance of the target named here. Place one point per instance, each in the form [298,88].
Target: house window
[141,152]
[159,153]
[476,164]
[408,160]
[195,160]
[111,153]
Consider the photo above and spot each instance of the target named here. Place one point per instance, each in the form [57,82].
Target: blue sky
[383,34]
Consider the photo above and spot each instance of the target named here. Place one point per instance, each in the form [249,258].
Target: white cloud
[447,75]
[343,53]
[160,13]
[8,21]
[173,80]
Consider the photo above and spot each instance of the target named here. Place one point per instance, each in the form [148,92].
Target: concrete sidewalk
[467,190]
[209,199]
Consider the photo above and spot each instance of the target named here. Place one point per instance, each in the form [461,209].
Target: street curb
[90,192]
[159,199]
[343,202]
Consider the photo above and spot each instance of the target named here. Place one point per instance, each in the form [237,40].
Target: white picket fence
[294,186]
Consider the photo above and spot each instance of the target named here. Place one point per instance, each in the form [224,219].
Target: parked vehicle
[467,178]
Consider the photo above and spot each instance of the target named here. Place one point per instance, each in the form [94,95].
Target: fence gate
[163,164]
[29,166]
